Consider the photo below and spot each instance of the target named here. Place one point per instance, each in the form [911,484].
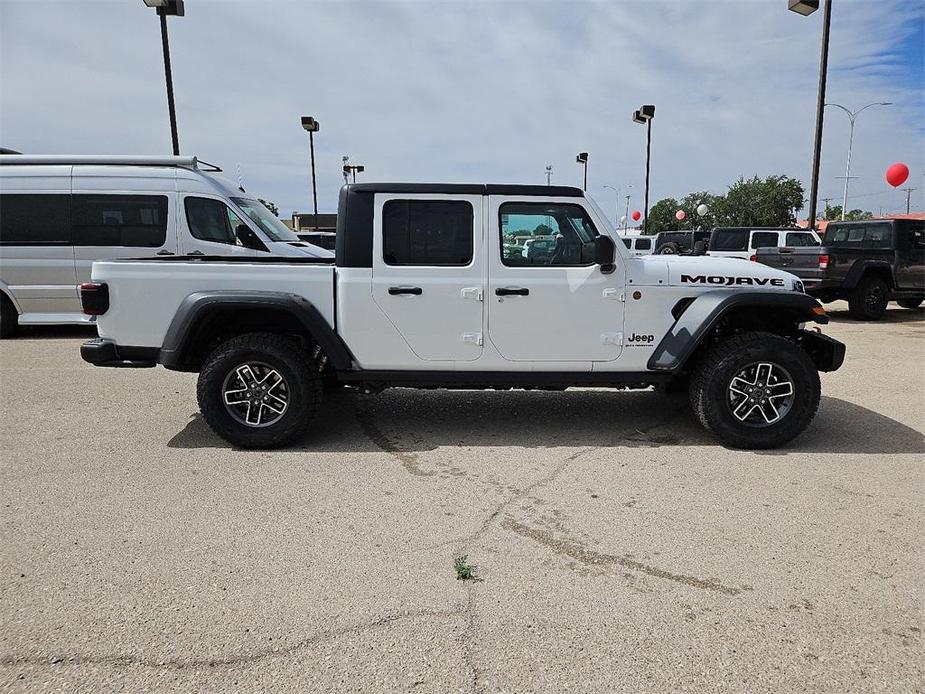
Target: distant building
[305,221]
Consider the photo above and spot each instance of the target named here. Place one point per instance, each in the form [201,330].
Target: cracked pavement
[617,547]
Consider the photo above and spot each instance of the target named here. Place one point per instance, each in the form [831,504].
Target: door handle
[507,291]
[165,252]
[416,291]
[195,253]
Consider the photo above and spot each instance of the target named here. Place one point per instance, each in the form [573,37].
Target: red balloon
[680,215]
[636,215]
[897,174]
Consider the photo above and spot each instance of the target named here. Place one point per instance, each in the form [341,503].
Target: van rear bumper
[105,352]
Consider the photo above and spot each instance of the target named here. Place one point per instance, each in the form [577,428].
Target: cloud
[471,91]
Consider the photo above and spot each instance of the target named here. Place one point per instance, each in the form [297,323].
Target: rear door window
[40,220]
[427,232]
[765,239]
[643,244]
[729,240]
[878,235]
[120,220]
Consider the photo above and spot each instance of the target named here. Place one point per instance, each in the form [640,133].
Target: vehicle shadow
[893,315]
[407,421]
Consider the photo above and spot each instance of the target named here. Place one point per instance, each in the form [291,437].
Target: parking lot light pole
[616,191]
[582,158]
[852,117]
[165,8]
[312,126]
[351,169]
[644,115]
[806,8]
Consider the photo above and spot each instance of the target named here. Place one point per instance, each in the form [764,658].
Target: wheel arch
[205,319]
[776,312]
[869,268]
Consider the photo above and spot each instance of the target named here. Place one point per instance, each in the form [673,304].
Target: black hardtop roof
[468,189]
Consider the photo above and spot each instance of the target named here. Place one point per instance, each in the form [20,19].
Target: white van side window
[33,220]
[212,220]
[127,221]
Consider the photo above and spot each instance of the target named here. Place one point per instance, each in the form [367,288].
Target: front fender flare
[705,311]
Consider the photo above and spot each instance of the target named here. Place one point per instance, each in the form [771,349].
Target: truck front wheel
[259,390]
[868,300]
[755,390]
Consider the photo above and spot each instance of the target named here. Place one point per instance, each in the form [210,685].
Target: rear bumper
[105,352]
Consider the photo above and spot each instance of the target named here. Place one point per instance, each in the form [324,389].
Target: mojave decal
[727,280]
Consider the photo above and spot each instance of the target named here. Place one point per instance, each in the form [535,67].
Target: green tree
[661,216]
[690,202]
[771,202]
[543,230]
[270,206]
[833,212]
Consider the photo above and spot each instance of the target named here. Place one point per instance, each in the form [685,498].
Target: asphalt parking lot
[616,546]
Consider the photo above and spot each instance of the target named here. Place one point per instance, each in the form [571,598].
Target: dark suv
[868,263]
[682,242]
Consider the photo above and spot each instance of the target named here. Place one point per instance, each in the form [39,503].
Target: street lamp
[312,126]
[165,8]
[852,117]
[806,8]
[549,174]
[644,116]
[352,169]
[582,158]
[616,192]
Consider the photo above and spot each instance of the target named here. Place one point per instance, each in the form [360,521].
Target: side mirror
[604,252]
[248,238]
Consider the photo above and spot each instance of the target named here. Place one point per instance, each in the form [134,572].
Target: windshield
[267,221]
[610,229]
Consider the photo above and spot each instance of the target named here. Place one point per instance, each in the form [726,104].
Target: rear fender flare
[862,267]
[197,306]
[707,309]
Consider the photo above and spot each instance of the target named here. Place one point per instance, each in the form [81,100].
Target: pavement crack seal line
[408,460]
[192,664]
[577,551]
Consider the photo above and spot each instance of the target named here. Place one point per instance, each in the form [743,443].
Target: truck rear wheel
[868,300]
[670,248]
[755,390]
[914,302]
[259,390]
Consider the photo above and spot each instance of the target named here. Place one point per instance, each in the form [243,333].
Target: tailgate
[802,262]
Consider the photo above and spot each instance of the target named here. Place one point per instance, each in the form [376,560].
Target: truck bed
[145,295]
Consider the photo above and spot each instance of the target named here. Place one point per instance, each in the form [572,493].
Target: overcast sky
[474,91]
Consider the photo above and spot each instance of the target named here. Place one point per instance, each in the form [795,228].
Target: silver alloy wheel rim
[761,394]
[255,394]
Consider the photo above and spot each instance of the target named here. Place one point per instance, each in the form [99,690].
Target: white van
[60,213]
[639,244]
[743,242]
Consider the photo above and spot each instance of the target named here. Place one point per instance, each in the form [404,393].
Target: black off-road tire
[9,319]
[290,359]
[868,299]
[913,302]
[709,394]
[670,248]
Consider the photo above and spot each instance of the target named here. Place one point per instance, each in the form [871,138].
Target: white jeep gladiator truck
[425,291]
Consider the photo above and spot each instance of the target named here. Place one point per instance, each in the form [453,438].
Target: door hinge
[612,338]
[616,294]
[471,293]
[472,338]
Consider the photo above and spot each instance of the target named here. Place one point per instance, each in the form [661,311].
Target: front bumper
[827,354]
[105,352]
